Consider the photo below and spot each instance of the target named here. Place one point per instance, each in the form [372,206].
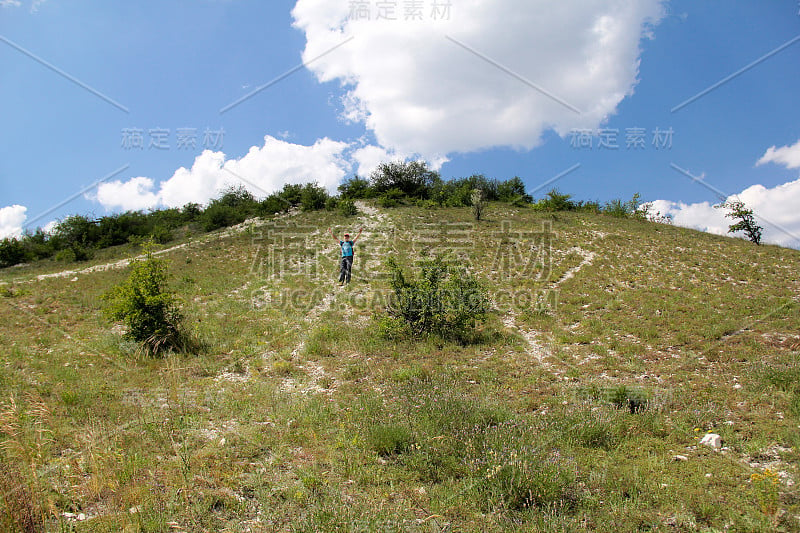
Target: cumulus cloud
[775,210]
[197,184]
[12,218]
[788,156]
[262,170]
[367,159]
[279,162]
[492,74]
[132,195]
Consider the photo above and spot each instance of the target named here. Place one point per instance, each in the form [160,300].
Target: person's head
[347,236]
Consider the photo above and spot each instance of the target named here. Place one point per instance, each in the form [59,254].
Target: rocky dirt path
[372,220]
[537,347]
[122,263]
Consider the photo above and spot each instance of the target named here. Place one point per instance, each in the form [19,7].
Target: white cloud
[369,157]
[262,170]
[12,218]
[198,184]
[17,3]
[279,162]
[775,210]
[422,93]
[132,195]
[701,216]
[789,156]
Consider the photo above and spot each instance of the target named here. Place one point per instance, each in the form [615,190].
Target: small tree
[312,197]
[445,300]
[746,220]
[556,201]
[347,208]
[12,252]
[355,188]
[149,308]
[79,235]
[478,203]
[413,178]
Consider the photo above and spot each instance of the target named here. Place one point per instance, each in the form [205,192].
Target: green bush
[272,204]
[513,191]
[12,252]
[590,206]
[425,204]
[312,197]
[630,209]
[445,301]
[77,231]
[356,188]
[65,256]
[292,193]
[556,201]
[390,198]
[221,216]
[413,178]
[148,308]
[392,327]
[161,234]
[347,208]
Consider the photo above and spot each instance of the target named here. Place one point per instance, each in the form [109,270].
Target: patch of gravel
[535,348]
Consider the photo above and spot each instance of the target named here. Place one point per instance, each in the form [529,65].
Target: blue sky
[515,88]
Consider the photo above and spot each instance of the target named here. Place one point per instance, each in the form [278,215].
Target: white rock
[81,517]
[680,458]
[711,439]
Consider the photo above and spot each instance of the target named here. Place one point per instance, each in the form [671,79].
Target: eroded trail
[123,263]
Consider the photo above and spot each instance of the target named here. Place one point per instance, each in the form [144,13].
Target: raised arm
[332,235]
[359,234]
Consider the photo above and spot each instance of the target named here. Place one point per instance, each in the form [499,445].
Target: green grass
[299,415]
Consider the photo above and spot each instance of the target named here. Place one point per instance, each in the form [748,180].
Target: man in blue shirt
[347,255]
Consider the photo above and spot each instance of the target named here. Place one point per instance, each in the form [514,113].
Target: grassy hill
[614,346]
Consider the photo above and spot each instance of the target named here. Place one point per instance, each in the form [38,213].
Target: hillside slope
[299,416]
